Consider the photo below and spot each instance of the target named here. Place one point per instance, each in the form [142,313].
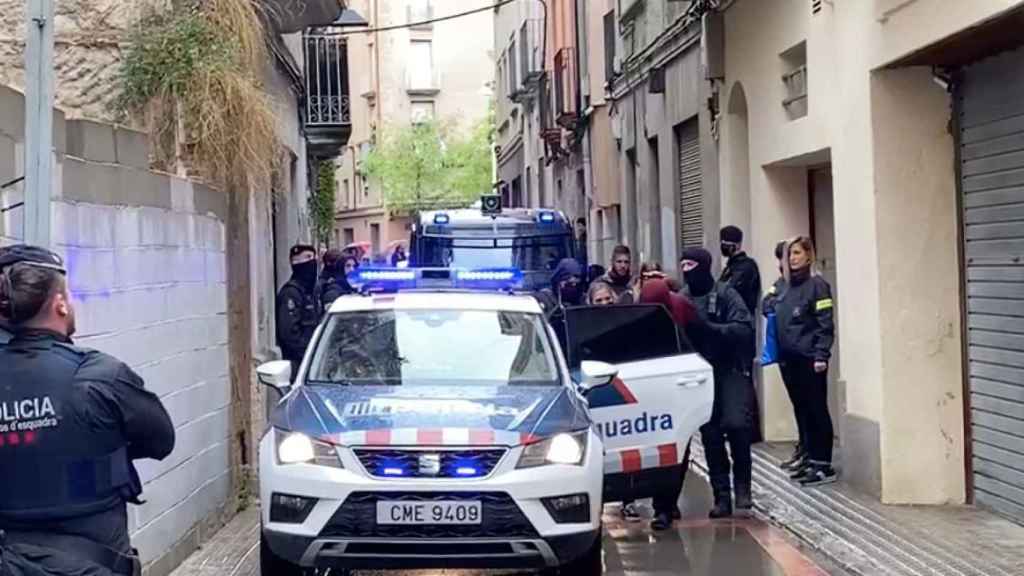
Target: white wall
[149,288]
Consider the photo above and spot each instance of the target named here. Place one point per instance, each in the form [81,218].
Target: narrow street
[696,547]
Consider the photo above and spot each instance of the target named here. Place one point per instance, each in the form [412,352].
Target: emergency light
[441,219]
[546,217]
[395,279]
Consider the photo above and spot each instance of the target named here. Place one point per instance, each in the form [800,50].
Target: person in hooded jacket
[298,311]
[79,419]
[723,333]
[666,504]
[806,331]
[334,277]
[566,288]
[741,271]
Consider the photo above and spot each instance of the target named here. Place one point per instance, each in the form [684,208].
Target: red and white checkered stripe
[643,458]
[430,437]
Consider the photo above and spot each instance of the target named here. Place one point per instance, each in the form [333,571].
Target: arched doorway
[736,149]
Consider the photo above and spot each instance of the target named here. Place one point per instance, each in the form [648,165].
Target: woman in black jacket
[804,319]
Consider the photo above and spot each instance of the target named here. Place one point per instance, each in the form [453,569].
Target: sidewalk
[865,537]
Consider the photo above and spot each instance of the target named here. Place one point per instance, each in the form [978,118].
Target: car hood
[375,415]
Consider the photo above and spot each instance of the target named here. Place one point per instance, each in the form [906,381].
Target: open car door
[663,393]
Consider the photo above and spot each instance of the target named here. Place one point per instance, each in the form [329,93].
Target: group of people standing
[309,292]
[719,318]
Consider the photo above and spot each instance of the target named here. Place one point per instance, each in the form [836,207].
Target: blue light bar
[465,471]
[395,279]
[489,279]
[394,472]
[441,218]
[546,217]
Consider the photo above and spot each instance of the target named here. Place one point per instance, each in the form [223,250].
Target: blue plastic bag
[770,351]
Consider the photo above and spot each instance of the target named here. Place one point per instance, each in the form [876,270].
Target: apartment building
[424,69]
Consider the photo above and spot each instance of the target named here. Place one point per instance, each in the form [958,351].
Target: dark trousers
[667,501]
[714,439]
[811,407]
[791,379]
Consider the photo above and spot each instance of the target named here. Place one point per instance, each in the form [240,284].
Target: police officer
[741,270]
[724,334]
[298,311]
[566,289]
[72,422]
[806,330]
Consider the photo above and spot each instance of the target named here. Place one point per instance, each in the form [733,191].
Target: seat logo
[430,464]
[618,394]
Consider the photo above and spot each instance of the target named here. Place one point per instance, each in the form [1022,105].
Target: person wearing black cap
[724,335]
[298,311]
[74,422]
[741,270]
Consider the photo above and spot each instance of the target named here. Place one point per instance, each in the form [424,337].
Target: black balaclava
[567,268]
[305,273]
[731,238]
[699,280]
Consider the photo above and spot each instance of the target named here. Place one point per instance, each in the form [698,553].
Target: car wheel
[590,563]
[273,565]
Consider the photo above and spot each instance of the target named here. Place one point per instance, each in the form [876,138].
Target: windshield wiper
[330,382]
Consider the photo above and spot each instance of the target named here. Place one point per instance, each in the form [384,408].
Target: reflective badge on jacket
[823,304]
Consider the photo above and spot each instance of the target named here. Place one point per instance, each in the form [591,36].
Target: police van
[531,240]
[435,422]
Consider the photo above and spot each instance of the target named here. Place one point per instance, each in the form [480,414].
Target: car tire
[591,563]
[273,565]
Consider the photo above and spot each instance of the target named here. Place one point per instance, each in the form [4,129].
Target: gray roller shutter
[991,116]
[691,197]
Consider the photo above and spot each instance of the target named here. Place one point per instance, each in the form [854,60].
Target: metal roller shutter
[991,116]
[691,197]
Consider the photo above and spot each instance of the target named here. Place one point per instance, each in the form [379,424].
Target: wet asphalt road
[695,546]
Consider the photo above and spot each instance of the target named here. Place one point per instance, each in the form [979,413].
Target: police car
[438,424]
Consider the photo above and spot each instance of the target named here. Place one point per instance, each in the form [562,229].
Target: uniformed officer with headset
[72,423]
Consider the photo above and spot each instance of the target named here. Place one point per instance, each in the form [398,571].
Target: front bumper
[517,530]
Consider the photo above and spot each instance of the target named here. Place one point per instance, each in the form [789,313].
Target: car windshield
[528,253]
[435,347]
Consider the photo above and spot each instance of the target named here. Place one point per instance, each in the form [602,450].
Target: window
[620,334]
[794,63]
[435,347]
[609,46]
[422,111]
[346,194]
[350,236]
[418,12]
[421,65]
[375,239]
[513,67]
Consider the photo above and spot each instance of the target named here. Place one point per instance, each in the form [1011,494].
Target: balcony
[529,59]
[327,108]
[566,88]
[422,82]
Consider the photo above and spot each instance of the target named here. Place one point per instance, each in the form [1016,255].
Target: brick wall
[146,260]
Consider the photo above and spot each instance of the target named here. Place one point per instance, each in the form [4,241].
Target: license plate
[425,513]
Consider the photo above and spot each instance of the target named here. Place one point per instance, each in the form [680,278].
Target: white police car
[441,428]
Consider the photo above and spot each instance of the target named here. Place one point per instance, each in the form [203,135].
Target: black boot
[744,500]
[723,505]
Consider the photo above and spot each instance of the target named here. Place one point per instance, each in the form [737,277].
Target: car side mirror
[595,375]
[276,374]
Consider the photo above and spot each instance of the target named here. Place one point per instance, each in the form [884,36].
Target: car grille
[408,461]
[356,518]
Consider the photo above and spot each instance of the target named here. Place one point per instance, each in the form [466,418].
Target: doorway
[821,224]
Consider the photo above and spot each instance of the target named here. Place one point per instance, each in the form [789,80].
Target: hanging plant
[321,202]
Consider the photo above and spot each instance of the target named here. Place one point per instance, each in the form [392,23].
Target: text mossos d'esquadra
[27,414]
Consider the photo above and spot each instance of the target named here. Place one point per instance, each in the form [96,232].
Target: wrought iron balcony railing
[327,106]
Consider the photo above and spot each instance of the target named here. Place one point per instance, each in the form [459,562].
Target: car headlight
[297,448]
[559,449]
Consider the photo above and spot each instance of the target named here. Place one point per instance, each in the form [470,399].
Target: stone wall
[146,258]
[87,51]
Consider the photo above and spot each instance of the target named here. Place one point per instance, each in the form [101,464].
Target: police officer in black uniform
[72,422]
[298,310]
[741,270]
[724,335]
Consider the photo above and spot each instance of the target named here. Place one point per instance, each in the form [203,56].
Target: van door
[664,391]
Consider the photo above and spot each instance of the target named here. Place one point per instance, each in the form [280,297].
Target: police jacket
[803,317]
[742,274]
[72,422]
[773,295]
[298,314]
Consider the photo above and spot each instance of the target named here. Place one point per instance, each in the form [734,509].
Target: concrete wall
[885,136]
[146,261]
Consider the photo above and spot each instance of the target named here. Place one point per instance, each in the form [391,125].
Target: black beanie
[731,234]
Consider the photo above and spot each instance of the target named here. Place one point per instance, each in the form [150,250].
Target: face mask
[305,273]
[569,293]
[728,250]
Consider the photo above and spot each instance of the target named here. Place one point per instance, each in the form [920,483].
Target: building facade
[892,132]
[442,70]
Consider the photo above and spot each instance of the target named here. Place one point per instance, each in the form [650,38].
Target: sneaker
[818,475]
[630,513]
[795,460]
[799,471]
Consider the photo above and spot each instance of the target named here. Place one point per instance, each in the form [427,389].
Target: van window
[620,334]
